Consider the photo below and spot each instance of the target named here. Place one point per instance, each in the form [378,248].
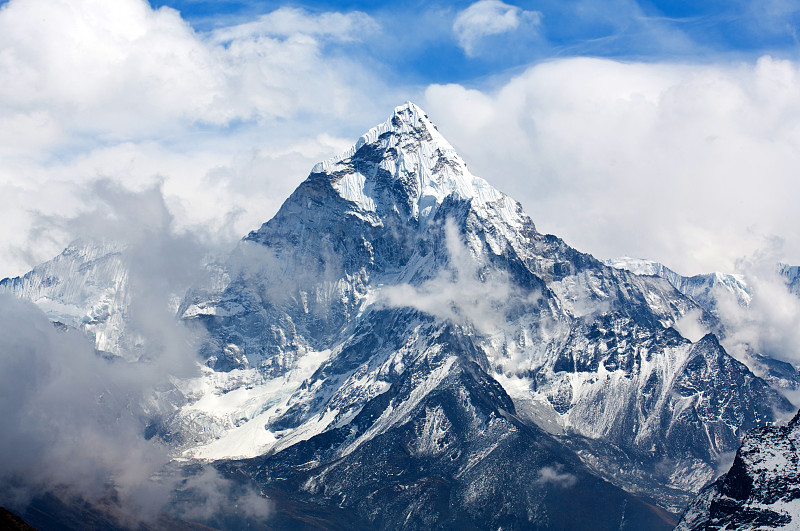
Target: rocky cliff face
[760,491]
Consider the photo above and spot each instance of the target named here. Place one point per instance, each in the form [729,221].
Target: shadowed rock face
[12,522]
[760,491]
[456,458]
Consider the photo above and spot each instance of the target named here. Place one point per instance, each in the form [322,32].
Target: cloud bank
[59,400]
[690,165]
[229,121]
[75,420]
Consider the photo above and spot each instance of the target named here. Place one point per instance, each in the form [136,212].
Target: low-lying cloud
[770,325]
[75,419]
[464,292]
[70,418]
[554,475]
[691,325]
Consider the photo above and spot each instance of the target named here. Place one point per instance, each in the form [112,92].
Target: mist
[465,292]
[770,324]
[74,419]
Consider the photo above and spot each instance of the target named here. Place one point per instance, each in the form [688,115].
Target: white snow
[241,402]
[420,164]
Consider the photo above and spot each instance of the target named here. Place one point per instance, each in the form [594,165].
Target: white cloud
[465,293]
[691,325]
[489,17]
[122,69]
[121,91]
[289,21]
[771,324]
[553,475]
[690,165]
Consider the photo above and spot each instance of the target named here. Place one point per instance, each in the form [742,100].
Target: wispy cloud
[291,21]
[465,292]
[691,326]
[490,17]
[554,475]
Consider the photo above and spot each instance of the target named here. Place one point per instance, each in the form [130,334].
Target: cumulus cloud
[126,92]
[124,69]
[690,165]
[489,17]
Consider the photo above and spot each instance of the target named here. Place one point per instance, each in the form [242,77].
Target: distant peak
[409,107]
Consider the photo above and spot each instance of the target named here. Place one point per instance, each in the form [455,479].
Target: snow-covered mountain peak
[408,157]
[406,119]
[85,287]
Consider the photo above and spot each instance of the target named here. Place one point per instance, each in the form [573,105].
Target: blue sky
[417,42]
[662,130]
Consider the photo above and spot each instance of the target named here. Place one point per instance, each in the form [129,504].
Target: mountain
[85,287]
[715,290]
[381,251]
[705,289]
[792,276]
[399,347]
[760,491]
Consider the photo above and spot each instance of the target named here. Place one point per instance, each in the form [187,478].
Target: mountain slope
[715,291]
[84,287]
[760,491]
[704,289]
[442,449]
